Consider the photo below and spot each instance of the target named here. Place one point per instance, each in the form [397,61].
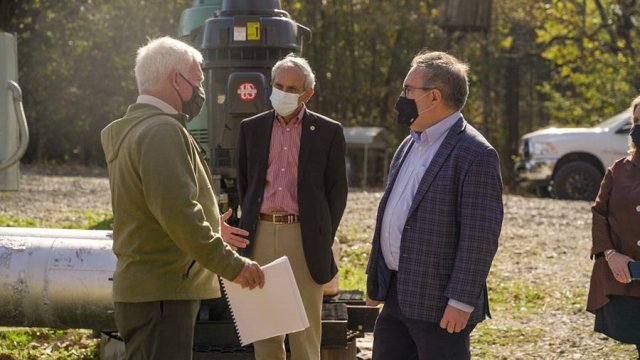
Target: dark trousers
[397,337]
[157,329]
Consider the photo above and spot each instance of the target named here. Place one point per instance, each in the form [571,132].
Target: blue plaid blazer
[451,233]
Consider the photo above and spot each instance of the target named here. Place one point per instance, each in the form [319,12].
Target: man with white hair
[293,190]
[166,225]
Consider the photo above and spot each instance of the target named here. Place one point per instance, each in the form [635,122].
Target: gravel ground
[538,283]
[49,197]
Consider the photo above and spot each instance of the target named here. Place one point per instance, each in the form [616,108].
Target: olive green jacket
[166,223]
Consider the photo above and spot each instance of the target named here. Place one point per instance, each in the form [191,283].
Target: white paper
[276,309]
[239,33]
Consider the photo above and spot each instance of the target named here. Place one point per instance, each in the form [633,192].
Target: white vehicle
[569,163]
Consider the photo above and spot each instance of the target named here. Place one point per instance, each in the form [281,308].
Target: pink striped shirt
[281,186]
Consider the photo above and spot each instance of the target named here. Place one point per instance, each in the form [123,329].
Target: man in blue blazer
[438,222]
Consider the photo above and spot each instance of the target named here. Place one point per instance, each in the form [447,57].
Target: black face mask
[635,135]
[193,106]
[407,111]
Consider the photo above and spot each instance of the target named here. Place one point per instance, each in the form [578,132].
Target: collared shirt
[152,100]
[425,146]
[281,185]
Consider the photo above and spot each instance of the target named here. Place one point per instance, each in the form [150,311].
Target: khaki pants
[271,242]
[157,329]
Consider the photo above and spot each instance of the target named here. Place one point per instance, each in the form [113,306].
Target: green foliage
[592,58]
[75,67]
[566,62]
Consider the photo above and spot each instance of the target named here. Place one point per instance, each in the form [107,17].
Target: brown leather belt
[280,218]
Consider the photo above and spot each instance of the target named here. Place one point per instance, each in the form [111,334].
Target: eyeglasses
[408,90]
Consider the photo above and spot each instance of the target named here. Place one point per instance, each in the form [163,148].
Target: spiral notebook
[276,309]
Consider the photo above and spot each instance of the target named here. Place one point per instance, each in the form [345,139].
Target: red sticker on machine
[247,91]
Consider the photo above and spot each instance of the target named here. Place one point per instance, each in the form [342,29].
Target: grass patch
[490,342]
[353,264]
[485,336]
[33,344]
[17,222]
[522,300]
[518,298]
[354,234]
[76,219]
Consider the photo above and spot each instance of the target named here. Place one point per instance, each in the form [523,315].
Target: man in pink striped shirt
[293,190]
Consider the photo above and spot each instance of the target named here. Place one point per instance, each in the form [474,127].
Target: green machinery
[240,41]
[190,31]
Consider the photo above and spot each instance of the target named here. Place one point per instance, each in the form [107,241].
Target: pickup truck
[569,163]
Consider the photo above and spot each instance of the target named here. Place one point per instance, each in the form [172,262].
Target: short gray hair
[292,60]
[447,74]
[159,57]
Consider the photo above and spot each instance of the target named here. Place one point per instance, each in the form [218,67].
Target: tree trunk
[512,106]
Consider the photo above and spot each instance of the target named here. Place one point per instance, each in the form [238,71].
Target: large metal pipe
[56,278]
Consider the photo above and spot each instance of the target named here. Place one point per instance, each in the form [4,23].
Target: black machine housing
[240,45]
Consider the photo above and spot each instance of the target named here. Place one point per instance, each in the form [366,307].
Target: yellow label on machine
[253,30]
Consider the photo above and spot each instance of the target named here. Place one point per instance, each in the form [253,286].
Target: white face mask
[284,103]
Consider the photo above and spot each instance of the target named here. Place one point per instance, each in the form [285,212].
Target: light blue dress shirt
[416,163]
